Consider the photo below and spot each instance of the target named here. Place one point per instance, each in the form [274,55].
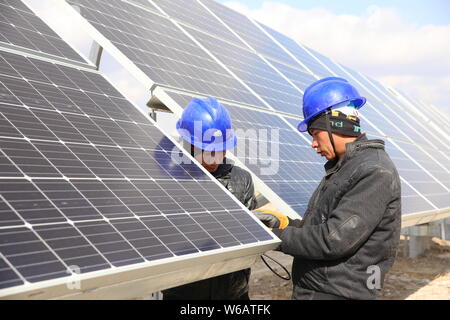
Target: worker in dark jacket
[206,128]
[348,238]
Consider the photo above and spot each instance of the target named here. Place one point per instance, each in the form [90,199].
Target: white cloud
[380,43]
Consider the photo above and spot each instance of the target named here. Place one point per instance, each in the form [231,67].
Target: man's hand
[272,219]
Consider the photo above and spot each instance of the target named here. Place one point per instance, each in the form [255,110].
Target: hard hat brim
[214,146]
[358,103]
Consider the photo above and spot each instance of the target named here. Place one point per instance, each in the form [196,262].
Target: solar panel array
[87,180]
[161,50]
[19,26]
[275,70]
[271,149]
[78,171]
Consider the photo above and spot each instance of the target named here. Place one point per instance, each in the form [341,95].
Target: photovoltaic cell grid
[145,3]
[192,13]
[248,31]
[244,63]
[19,26]
[262,78]
[417,178]
[426,135]
[395,112]
[257,74]
[273,151]
[440,172]
[389,115]
[301,79]
[171,59]
[161,50]
[294,48]
[436,117]
[413,128]
[88,181]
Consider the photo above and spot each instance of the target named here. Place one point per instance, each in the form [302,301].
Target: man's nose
[314,144]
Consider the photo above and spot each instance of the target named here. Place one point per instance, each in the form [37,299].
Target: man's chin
[212,169]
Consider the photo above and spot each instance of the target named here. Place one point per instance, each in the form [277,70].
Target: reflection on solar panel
[411,126]
[87,180]
[19,26]
[170,58]
[271,71]
[387,112]
[423,114]
[262,78]
[192,13]
[285,162]
[248,31]
[301,54]
[161,50]
[258,75]
[429,194]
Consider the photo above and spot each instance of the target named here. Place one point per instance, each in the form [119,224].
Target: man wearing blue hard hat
[348,238]
[206,129]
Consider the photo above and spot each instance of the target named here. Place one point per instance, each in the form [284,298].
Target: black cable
[270,268]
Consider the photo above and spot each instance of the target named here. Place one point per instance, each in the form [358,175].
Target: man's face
[210,160]
[321,142]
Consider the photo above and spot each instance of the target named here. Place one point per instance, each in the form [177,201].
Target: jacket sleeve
[249,193]
[350,224]
[243,188]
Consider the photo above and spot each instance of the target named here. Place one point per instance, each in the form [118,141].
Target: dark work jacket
[232,286]
[349,236]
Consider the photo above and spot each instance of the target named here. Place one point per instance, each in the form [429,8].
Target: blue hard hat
[325,94]
[206,124]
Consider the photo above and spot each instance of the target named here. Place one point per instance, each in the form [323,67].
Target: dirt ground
[426,277]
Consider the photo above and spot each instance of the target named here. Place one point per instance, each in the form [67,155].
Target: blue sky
[436,12]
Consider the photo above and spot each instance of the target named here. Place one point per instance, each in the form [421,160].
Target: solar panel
[428,162]
[146,4]
[118,200]
[438,121]
[257,74]
[300,169]
[271,68]
[251,34]
[412,201]
[301,79]
[20,27]
[170,58]
[274,152]
[399,121]
[374,117]
[161,50]
[386,117]
[442,112]
[411,127]
[192,13]
[301,54]
[247,66]
[423,182]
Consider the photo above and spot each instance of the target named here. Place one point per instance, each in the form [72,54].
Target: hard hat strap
[330,134]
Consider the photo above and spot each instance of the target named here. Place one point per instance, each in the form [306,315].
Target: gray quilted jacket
[349,236]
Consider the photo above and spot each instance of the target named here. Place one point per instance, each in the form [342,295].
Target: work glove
[272,219]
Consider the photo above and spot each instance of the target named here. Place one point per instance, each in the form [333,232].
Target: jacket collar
[224,169]
[352,149]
